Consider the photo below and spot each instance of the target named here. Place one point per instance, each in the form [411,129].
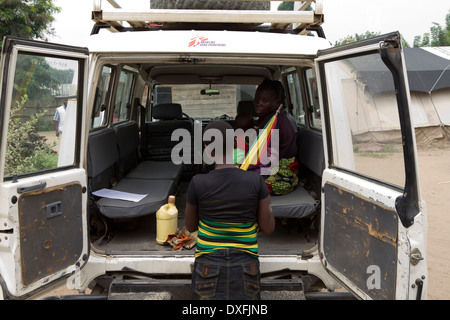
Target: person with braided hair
[268,97]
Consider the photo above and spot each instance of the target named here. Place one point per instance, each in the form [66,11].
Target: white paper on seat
[119,195]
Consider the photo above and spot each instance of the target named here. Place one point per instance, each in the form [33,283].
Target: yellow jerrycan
[166,220]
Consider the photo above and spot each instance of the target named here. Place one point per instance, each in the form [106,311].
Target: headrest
[246,106]
[167,111]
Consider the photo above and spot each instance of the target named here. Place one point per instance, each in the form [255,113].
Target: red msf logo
[196,41]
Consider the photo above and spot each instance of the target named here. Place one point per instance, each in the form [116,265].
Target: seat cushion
[156,170]
[157,192]
[167,111]
[296,204]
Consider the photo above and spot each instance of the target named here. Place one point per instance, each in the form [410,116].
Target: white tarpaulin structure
[377,120]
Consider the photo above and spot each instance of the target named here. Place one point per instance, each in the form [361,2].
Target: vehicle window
[43,117]
[313,98]
[145,100]
[294,90]
[122,108]
[102,93]
[222,104]
[364,118]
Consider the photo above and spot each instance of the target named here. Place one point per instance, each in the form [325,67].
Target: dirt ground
[434,167]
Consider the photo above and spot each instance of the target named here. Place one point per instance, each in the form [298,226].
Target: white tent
[369,95]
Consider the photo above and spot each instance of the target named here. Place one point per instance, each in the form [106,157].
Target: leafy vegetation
[356,37]
[27,151]
[29,19]
[438,35]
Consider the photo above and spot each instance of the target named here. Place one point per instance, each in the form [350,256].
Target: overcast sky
[342,17]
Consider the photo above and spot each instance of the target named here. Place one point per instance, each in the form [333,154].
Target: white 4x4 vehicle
[359,218]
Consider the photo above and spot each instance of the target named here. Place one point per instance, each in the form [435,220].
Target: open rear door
[373,232]
[43,198]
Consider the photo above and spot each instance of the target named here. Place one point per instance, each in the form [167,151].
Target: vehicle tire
[210,4]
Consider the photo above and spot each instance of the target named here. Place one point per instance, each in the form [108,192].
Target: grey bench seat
[156,170]
[102,163]
[129,164]
[296,204]
[299,203]
[157,194]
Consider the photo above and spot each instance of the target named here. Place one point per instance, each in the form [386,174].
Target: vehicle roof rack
[300,21]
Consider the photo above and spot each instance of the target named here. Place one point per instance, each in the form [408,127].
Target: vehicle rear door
[43,195]
[373,220]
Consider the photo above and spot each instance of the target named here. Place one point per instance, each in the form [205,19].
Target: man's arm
[55,123]
[191,217]
[266,220]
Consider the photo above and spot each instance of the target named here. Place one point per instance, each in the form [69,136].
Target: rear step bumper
[178,289]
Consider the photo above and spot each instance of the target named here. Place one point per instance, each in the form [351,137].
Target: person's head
[244,121]
[218,130]
[268,97]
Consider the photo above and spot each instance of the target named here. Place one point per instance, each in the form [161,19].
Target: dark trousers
[226,274]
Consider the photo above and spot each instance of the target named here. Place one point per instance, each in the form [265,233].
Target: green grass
[383,151]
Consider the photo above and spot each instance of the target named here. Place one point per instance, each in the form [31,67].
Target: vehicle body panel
[43,213]
[366,241]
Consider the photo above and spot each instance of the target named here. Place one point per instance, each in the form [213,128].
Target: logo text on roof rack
[204,42]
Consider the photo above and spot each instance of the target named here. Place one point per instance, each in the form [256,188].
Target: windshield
[205,102]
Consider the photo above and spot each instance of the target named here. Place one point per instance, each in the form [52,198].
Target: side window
[102,96]
[296,98]
[365,126]
[122,106]
[145,100]
[43,118]
[313,98]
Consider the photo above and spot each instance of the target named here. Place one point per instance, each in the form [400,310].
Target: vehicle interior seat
[167,118]
[246,106]
[300,203]
[130,164]
[102,161]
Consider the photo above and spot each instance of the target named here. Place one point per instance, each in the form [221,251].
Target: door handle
[53,209]
[41,185]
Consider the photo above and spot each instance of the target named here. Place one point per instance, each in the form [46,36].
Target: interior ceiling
[226,74]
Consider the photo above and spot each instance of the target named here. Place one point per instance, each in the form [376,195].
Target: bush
[26,150]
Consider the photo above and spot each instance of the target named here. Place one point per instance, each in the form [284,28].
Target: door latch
[416,256]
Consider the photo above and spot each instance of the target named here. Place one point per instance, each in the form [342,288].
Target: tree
[289,6]
[286,6]
[362,36]
[30,19]
[438,35]
[447,22]
[356,37]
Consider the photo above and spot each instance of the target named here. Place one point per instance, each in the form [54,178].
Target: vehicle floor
[139,235]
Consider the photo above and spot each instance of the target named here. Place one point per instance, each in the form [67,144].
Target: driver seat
[167,117]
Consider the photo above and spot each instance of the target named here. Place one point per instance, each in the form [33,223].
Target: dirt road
[434,164]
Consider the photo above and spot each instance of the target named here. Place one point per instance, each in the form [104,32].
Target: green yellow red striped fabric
[214,235]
